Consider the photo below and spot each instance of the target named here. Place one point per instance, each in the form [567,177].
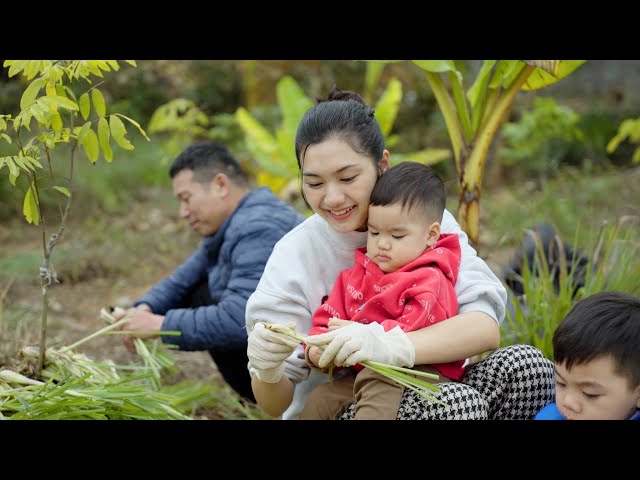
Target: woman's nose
[334,196]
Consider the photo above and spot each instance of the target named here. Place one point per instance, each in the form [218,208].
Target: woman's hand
[356,343]
[267,352]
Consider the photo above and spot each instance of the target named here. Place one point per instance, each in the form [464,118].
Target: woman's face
[337,182]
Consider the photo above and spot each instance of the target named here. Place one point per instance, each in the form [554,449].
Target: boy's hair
[413,185]
[606,323]
[207,159]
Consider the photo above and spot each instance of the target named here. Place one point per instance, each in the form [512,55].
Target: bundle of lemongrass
[72,386]
[404,376]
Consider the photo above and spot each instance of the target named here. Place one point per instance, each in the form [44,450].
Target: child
[404,279]
[596,349]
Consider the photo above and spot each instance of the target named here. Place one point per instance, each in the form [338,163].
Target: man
[205,297]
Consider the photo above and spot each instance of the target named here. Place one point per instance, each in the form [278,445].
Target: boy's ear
[433,233]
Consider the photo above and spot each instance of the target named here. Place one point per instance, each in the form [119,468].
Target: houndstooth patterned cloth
[513,383]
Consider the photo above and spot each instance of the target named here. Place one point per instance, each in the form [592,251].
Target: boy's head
[596,349]
[404,215]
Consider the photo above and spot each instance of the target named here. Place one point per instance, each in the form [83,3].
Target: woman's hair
[606,323]
[414,186]
[344,116]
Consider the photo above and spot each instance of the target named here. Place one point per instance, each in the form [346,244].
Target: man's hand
[140,319]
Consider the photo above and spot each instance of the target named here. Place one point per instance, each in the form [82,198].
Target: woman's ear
[433,233]
[384,163]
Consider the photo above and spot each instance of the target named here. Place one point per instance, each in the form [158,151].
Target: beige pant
[377,397]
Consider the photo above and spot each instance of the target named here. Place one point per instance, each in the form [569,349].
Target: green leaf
[98,102]
[131,62]
[387,107]
[6,137]
[31,93]
[38,112]
[114,64]
[293,103]
[85,105]
[30,207]
[55,101]
[63,190]
[56,121]
[103,138]
[90,144]
[118,131]
[16,66]
[135,124]
[83,132]
[436,66]
[429,156]
[261,143]
[540,79]
[505,72]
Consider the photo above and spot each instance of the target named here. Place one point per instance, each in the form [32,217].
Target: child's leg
[378,397]
[330,400]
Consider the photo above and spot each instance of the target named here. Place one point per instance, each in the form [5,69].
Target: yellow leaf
[90,144]
[98,102]
[30,207]
[118,132]
[103,138]
[85,105]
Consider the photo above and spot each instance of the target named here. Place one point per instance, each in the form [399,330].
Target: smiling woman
[341,153]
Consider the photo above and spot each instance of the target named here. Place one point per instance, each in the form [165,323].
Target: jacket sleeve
[334,306]
[421,310]
[477,287]
[223,325]
[171,291]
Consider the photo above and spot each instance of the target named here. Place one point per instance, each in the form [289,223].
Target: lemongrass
[399,374]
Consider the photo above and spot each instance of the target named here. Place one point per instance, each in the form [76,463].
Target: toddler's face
[396,236]
[594,391]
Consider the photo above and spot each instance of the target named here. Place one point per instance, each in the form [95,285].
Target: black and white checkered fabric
[513,383]
[517,381]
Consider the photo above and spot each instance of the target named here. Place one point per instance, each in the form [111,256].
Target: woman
[340,151]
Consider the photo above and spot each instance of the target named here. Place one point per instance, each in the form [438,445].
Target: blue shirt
[550,412]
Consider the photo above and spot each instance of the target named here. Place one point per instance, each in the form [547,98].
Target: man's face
[595,391]
[203,206]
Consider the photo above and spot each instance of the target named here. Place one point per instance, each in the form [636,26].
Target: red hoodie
[415,296]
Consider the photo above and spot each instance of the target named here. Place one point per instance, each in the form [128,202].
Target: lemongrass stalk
[398,374]
[96,334]
[406,370]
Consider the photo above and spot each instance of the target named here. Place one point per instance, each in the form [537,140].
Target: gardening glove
[359,342]
[295,366]
[267,352]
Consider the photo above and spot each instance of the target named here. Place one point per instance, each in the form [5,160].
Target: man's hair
[413,185]
[606,323]
[207,159]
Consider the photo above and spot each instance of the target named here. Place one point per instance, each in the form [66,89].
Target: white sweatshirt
[305,264]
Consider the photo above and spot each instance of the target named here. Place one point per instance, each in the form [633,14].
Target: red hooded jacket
[415,296]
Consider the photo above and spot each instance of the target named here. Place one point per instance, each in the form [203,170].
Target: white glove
[295,366]
[267,352]
[359,342]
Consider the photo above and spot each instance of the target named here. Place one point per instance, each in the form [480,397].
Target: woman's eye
[349,179]
[313,185]
[373,234]
[398,237]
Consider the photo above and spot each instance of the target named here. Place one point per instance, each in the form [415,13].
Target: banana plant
[473,117]
[275,153]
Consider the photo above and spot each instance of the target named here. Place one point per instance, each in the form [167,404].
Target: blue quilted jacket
[232,260]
